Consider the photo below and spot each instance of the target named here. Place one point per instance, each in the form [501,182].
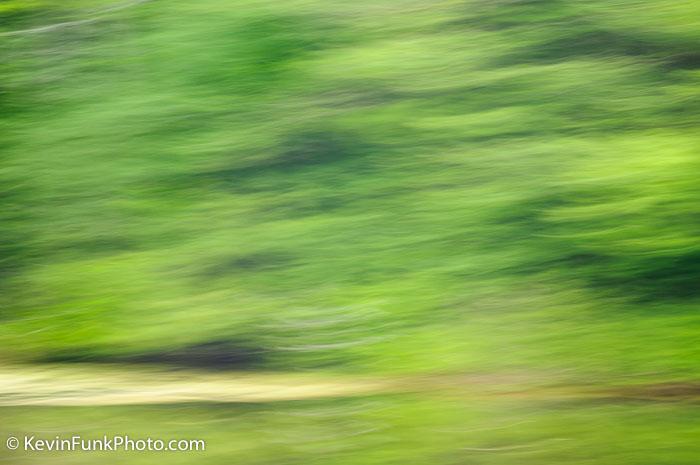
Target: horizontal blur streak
[419,205]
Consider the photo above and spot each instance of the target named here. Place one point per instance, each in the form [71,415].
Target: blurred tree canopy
[182,173]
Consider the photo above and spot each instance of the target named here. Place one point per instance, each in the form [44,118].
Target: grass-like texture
[387,186]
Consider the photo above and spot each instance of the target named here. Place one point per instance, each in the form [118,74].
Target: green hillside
[387,185]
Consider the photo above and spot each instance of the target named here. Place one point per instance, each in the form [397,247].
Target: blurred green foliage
[385,185]
[381,431]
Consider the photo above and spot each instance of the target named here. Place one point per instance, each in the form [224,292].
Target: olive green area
[383,430]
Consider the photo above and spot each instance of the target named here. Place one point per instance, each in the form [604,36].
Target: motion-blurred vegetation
[392,185]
